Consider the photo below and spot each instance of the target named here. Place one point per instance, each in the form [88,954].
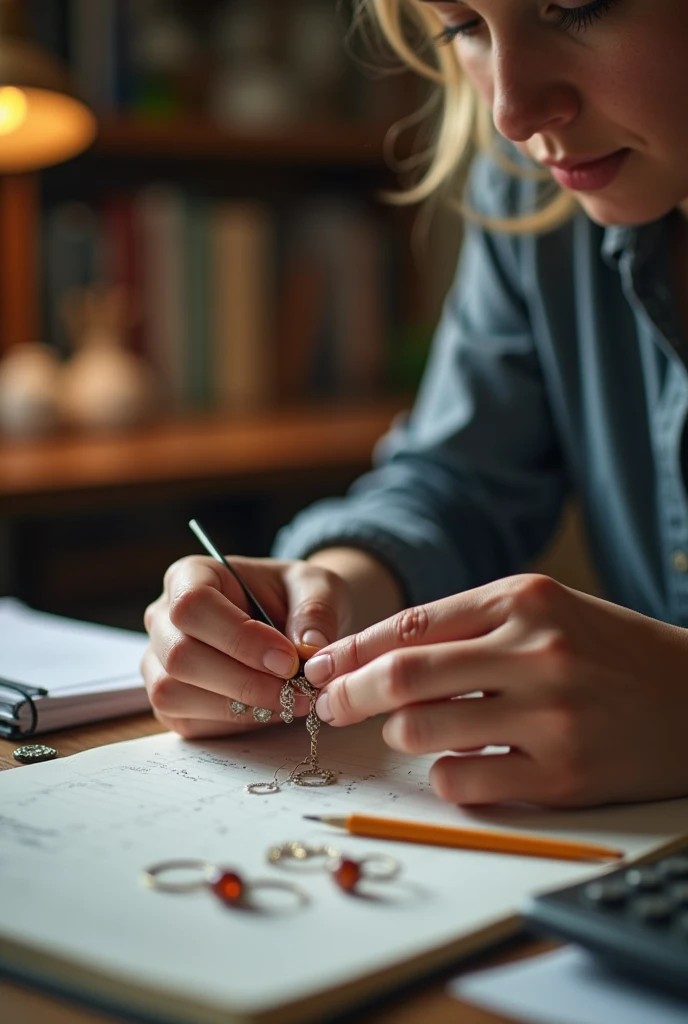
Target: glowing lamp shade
[41,121]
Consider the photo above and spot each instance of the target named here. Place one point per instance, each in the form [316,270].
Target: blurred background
[208,310]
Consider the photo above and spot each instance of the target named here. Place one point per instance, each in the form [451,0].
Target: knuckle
[340,695]
[160,692]
[410,625]
[569,780]
[173,569]
[184,606]
[445,782]
[246,691]
[409,732]
[176,656]
[400,671]
[555,654]
[150,613]
[533,591]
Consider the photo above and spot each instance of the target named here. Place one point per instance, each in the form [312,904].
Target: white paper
[91,671]
[76,833]
[567,986]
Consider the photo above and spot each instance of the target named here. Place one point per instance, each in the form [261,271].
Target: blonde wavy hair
[465,124]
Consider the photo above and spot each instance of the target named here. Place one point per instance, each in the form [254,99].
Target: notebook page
[66,656]
[76,833]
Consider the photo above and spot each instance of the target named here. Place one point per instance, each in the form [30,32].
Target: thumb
[318,605]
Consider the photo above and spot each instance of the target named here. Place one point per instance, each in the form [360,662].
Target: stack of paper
[61,672]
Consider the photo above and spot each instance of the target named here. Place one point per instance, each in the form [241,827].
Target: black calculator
[634,917]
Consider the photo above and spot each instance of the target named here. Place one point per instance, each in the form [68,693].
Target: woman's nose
[529,98]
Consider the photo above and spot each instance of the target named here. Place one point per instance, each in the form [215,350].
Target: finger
[179,700]
[419,674]
[318,606]
[199,728]
[187,660]
[198,608]
[463,724]
[460,617]
[489,779]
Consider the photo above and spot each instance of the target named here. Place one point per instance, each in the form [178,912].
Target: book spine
[73,257]
[161,217]
[242,302]
[93,51]
[199,326]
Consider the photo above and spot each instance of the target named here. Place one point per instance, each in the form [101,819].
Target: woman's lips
[590,176]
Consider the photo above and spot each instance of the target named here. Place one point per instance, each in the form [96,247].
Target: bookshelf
[82,515]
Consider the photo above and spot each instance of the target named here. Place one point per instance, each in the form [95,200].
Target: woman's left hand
[590,698]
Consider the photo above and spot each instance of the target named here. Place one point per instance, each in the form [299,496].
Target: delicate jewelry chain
[310,773]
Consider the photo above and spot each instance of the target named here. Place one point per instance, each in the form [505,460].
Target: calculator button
[675,867]
[643,879]
[606,893]
[656,909]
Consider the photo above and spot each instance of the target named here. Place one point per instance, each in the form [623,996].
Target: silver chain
[307,772]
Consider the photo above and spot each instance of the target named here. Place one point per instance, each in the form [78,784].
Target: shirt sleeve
[470,486]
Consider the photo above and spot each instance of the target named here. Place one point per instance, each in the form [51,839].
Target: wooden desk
[426,1004]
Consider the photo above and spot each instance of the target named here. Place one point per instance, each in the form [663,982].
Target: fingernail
[319,669]
[279,662]
[314,638]
[322,708]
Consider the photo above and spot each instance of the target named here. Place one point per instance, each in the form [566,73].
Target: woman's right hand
[206,650]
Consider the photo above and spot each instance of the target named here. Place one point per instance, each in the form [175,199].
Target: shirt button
[679,560]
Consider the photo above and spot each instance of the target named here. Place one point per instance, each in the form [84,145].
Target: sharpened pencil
[468,838]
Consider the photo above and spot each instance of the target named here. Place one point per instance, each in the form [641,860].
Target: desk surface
[427,1004]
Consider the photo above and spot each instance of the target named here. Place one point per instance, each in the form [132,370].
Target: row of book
[242,62]
[234,305]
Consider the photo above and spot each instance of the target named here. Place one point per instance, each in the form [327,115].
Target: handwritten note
[76,833]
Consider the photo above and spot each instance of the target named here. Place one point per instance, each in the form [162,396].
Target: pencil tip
[312,817]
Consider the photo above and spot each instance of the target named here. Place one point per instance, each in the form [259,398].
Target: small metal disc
[33,752]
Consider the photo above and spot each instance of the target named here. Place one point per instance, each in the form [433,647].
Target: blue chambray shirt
[557,368]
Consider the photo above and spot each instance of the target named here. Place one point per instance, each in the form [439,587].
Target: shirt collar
[636,244]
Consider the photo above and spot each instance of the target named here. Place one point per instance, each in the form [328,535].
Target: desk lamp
[41,120]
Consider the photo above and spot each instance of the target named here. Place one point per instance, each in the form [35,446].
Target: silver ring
[262,788]
[151,876]
[388,867]
[312,778]
[238,707]
[224,883]
[262,714]
[299,856]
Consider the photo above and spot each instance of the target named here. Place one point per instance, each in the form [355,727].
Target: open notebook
[56,672]
[76,833]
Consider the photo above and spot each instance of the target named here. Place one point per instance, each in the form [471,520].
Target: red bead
[347,874]
[228,886]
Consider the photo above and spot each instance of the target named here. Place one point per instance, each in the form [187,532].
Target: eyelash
[575,19]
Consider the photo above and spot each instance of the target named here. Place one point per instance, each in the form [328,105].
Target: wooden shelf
[344,142]
[183,451]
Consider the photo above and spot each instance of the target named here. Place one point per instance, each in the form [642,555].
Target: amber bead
[228,886]
[347,874]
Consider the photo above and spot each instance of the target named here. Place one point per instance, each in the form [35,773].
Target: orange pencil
[468,838]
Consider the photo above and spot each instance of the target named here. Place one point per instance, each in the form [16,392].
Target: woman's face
[596,91]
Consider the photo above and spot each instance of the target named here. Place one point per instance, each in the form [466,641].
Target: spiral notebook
[76,834]
[57,672]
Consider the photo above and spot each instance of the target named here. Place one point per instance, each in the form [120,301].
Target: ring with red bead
[348,873]
[225,883]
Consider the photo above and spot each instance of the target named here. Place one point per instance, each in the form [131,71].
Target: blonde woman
[559,366]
